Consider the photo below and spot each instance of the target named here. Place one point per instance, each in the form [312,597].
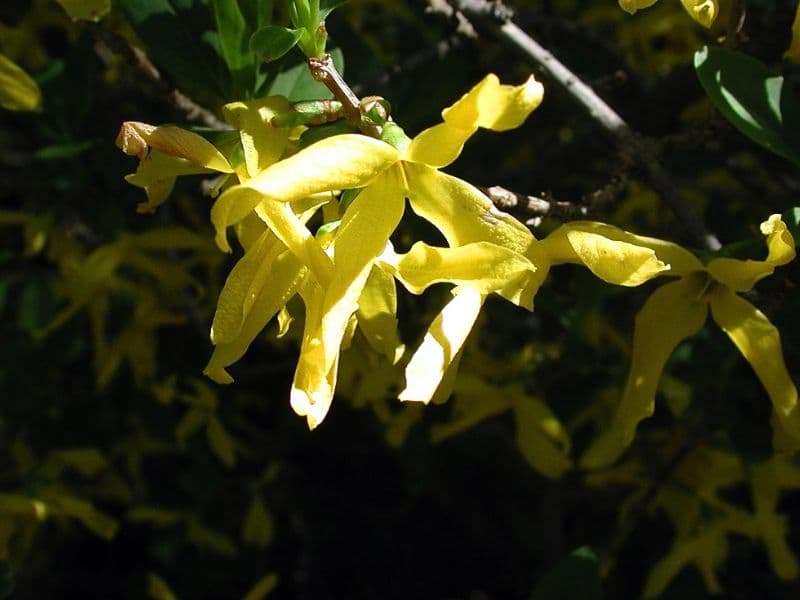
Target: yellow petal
[360,239]
[442,342]
[335,163]
[292,232]
[567,245]
[481,265]
[242,286]
[475,400]
[263,144]
[759,342]
[156,174]
[285,275]
[377,314]
[793,53]
[617,262]
[632,6]
[17,90]
[461,212]
[702,11]
[742,275]
[671,314]
[489,104]
[134,137]
[313,387]
[541,438]
[495,106]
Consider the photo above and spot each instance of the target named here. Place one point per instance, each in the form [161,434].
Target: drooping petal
[614,261]
[442,342]
[742,275]
[17,90]
[313,387]
[285,275]
[702,11]
[156,174]
[563,245]
[335,163]
[461,212]
[263,144]
[672,313]
[242,286]
[134,138]
[482,265]
[759,342]
[541,438]
[377,314]
[489,104]
[292,232]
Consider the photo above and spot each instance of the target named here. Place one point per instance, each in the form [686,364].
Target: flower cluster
[346,271]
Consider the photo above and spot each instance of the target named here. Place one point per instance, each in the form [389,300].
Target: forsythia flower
[17,90]
[679,309]
[702,11]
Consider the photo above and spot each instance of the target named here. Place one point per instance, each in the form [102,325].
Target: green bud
[393,134]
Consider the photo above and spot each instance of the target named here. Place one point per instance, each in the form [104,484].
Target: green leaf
[89,10]
[748,95]
[574,577]
[328,6]
[258,13]
[297,84]
[272,42]
[232,30]
[62,151]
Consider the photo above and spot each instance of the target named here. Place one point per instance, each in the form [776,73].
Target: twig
[536,206]
[136,56]
[499,18]
[735,23]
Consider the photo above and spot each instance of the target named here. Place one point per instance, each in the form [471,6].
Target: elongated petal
[377,314]
[285,275]
[482,265]
[442,342]
[567,245]
[614,261]
[461,212]
[702,11]
[759,342]
[672,313]
[17,90]
[313,387]
[742,275]
[242,286]
[541,438]
[292,232]
[489,104]
[263,144]
[134,138]
[335,163]
[156,174]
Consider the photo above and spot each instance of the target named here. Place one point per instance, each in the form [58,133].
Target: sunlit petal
[263,144]
[335,163]
[632,6]
[742,275]
[702,11]
[442,342]
[377,314]
[672,313]
[285,276]
[481,265]
[560,247]
[759,342]
[614,261]
[134,138]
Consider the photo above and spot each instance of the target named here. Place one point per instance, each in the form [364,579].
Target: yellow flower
[18,91]
[679,309]
[343,273]
[702,11]
[793,53]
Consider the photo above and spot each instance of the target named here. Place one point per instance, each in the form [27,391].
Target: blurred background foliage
[125,474]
